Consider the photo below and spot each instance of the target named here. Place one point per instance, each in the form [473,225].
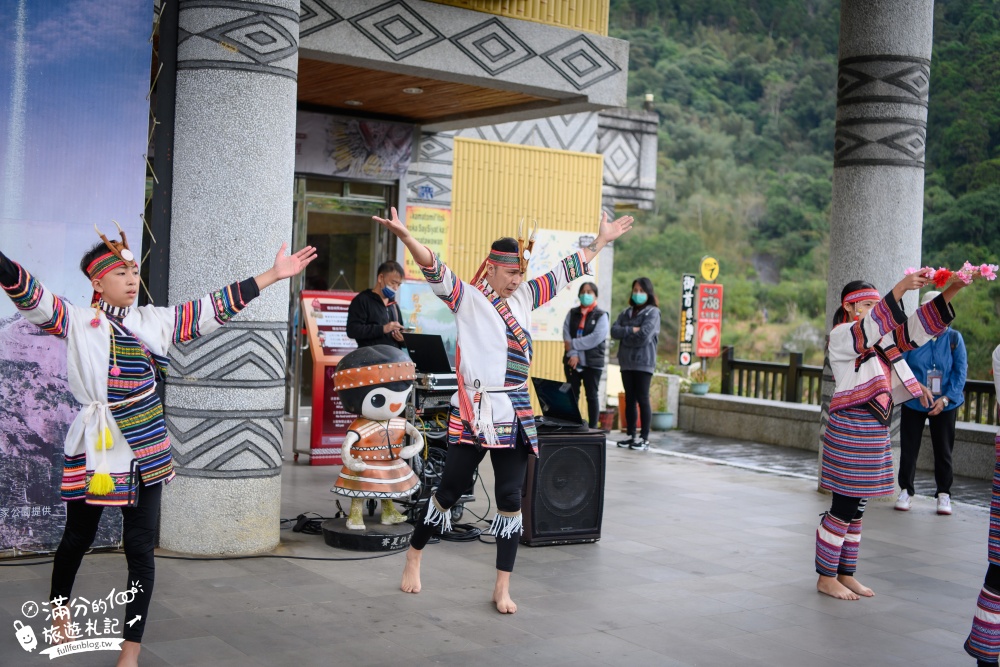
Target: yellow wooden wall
[587,15]
[495,184]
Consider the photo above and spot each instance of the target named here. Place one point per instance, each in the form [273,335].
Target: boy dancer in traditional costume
[984,641]
[491,410]
[866,344]
[117,451]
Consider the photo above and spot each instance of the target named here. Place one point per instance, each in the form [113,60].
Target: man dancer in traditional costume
[491,410]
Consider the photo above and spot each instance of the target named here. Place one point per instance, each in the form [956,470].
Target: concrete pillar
[232,208]
[878,175]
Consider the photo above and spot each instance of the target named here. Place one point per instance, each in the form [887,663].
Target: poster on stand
[551,246]
[325,315]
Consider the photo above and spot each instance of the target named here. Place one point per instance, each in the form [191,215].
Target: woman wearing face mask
[585,335]
[638,329]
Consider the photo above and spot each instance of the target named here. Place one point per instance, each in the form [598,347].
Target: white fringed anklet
[507,524]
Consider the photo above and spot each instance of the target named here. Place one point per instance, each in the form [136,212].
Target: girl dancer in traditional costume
[869,336]
[983,643]
[117,451]
[491,410]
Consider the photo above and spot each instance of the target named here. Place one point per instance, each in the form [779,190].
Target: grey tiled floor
[699,564]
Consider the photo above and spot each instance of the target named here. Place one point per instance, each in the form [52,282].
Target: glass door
[335,216]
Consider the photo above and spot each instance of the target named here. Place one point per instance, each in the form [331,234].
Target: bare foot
[130,654]
[830,586]
[411,571]
[501,594]
[61,622]
[853,584]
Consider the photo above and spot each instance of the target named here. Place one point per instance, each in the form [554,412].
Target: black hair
[841,316]
[506,244]
[88,258]
[591,285]
[647,286]
[389,267]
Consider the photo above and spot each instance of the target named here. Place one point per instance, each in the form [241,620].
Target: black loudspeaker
[564,488]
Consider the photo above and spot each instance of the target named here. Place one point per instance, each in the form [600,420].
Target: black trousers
[509,467]
[848,508]
[637,394]
[911,432]
[139,537]
[591,379]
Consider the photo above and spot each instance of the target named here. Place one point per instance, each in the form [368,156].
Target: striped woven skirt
[857,457]
[995,507]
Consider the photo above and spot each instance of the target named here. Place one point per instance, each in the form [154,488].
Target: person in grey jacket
[638,329]
[585,335]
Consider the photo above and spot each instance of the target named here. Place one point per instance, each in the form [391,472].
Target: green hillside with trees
[746,94]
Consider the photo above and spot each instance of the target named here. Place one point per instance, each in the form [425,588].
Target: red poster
[325,316]
[708,338]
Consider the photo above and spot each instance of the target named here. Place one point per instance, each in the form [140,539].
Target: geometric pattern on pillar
[229,34]
[314,15]
[241,355]
[894,142]
[224,443]
[893,79]
[621,158]
[890,128]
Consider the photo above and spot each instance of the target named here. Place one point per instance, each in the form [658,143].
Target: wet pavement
[792,462]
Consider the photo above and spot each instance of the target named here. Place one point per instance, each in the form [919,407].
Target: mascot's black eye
[378,400]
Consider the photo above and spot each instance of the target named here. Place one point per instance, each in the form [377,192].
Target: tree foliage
[746,95]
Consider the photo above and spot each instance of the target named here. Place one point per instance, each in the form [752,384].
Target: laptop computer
[559,407]
[427,351]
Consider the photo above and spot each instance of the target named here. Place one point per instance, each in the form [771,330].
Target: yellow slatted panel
[586,15]
[495,184]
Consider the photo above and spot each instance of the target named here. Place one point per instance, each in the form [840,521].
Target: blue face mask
[389,293]
[586,299]
[639,298]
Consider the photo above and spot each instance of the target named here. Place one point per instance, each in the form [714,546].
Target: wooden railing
[796,383]
[793,382]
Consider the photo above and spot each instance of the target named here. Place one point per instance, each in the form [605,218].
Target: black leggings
[637,392]
[591,379]
[139,537]
[509,466]
[848,509]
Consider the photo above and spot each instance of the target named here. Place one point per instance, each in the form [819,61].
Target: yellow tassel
[101,484]
[105,441]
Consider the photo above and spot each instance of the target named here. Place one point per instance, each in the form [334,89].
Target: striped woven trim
[186,318]
[435,272]
[852,547]
[104,264]
[984,640]
[227,302]
[502,258]
[829,543]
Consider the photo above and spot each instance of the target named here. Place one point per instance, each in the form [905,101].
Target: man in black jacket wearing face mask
[373,317]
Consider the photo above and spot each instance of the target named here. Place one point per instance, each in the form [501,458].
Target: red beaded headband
[866,294]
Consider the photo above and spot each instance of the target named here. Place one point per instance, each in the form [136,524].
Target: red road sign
[708,337]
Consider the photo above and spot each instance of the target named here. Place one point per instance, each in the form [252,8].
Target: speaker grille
[568,490]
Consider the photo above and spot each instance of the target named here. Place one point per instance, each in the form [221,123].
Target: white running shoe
[903,502]
[944,504]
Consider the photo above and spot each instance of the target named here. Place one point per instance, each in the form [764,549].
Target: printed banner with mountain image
[73,119]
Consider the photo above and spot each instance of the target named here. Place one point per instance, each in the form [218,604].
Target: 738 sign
[708,338]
